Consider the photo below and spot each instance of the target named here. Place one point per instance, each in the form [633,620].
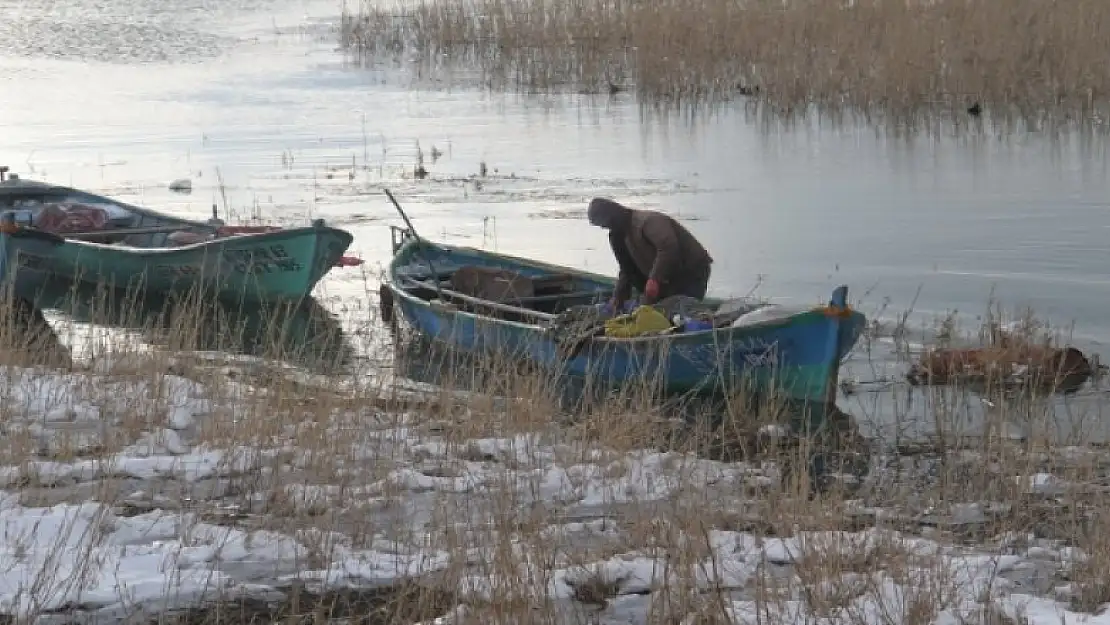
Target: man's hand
[651,291]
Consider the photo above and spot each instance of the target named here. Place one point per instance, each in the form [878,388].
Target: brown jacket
[649,244]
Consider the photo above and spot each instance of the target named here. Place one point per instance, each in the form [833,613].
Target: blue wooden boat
[797,357]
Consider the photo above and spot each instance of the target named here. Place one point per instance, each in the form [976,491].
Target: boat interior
[523,294]
[516,290]
[77,215]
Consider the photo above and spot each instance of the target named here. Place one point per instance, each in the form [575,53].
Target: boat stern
[22,255]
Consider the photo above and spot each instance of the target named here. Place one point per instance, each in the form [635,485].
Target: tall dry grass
[356,460]
[1038,60]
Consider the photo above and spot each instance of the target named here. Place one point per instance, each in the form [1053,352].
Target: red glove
[651,291]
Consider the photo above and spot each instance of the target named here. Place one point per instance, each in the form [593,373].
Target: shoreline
[247,480]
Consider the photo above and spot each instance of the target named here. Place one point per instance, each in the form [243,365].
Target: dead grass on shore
[1034,61]
[514,498]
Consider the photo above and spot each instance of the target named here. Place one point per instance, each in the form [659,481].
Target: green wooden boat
[119,245]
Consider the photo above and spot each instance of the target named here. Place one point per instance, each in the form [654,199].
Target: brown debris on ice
[1008,361]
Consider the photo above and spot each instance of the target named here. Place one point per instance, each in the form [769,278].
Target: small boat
[108,242]
[797,355]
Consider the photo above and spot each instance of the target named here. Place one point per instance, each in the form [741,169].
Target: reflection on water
[304,334]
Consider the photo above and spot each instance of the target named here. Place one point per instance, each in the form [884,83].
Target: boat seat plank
[517,310]
[554,297]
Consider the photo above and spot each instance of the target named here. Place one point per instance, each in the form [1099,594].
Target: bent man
[656,255]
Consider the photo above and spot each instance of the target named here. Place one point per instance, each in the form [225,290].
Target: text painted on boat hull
[752,352]
[262,259]
[177,272]
[34,262]
[253,261]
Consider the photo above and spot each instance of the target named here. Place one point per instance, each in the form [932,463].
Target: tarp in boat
[643,320]
[495,285]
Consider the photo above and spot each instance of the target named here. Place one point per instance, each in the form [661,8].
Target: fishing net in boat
[495,285]
[577,319]
[71,218]
[64,217]
[576,325]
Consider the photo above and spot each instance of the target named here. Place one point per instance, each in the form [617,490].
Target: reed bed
[482,499]
[1038,61]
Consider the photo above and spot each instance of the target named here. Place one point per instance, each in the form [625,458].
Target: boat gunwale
[813,315]
[254,236]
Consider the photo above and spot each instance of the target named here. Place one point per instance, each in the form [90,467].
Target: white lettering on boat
[766,358]
[261,259]
[176,271]
[29,261]
[752,352]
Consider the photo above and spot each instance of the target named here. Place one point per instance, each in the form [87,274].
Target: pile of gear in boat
[673,315]
[554,298]
[573,328]
[71,217]
[65,216]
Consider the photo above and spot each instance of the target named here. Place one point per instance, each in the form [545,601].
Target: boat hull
[797,357]
[280,265]
[283,264]
[18,245]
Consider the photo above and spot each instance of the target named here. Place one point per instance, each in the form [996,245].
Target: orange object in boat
[348,261]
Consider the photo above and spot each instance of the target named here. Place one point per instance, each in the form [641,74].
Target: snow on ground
[150,514]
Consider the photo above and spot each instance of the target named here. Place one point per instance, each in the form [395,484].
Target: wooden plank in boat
[486,304]
[555,283]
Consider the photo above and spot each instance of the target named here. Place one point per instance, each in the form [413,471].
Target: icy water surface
[125,96]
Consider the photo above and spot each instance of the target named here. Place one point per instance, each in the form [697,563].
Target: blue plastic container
[696,325]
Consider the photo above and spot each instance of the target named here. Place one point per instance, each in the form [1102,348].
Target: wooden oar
[412,230]
[445,293]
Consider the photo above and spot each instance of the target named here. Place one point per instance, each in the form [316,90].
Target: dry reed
[486,471]
[1036,61]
